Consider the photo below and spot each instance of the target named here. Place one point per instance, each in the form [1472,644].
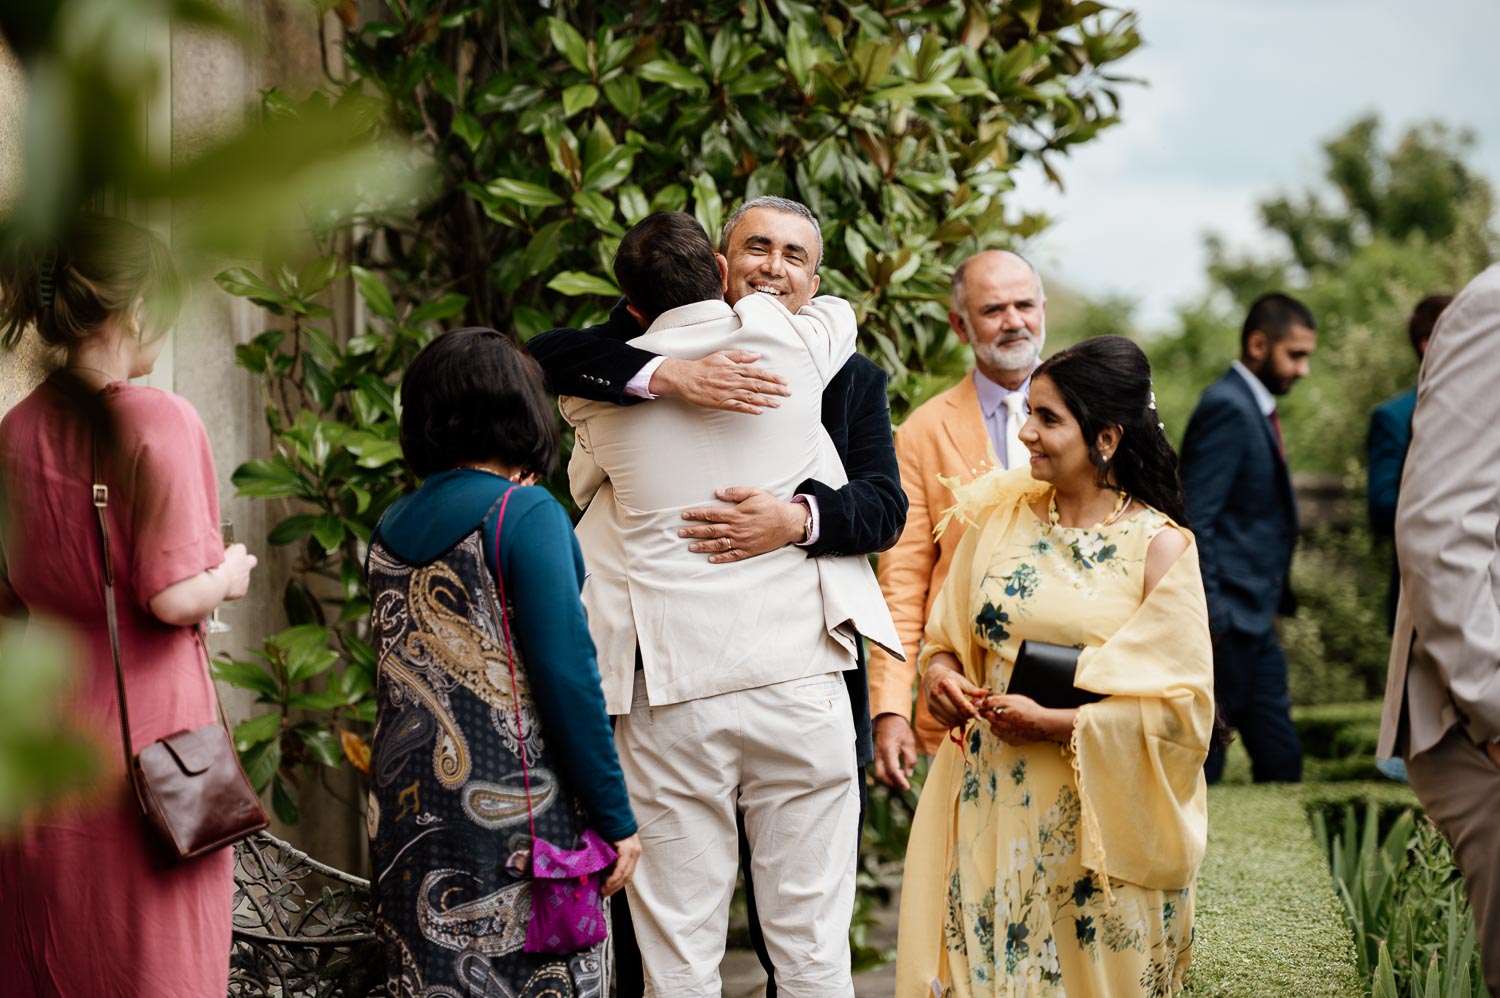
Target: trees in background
[548,129]
[1386,226]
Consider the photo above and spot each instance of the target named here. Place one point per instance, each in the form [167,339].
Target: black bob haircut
[472,395]
[1275,314]
[664,262]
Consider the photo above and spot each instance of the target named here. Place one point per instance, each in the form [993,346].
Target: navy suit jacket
[863,517]
[1241,507]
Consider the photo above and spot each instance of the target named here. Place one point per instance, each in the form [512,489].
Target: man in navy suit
[1242,508]
[1390,437]
[864,516]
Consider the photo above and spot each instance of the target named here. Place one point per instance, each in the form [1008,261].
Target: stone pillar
[214,86]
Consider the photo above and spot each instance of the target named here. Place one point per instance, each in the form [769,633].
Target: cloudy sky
[1241,95]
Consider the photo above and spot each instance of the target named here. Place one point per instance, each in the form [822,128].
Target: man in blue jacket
[1244,513]
[1390,437]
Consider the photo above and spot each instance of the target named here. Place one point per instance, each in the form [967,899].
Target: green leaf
[624,94]
[361,497]
[322,744]
[293,528]
[260,763]
[676,76]
[672,197]
[574,283]
[530,322]
[567,41]
[247,676]
[577,98]
[318,274]
[328,531]
[633,204]
[269,480]
[256,730]
[911,91]
[284,802]
[303,663]
[244,283]
[374,452]
[708,207]
[373,290]
[608,172]
[523,192]
[445,307]
[543,248]
[468,128]
[596,208]
[318,380]
[799,53]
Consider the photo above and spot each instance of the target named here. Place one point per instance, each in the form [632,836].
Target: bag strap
[111,614]
[101,508]
[510,655]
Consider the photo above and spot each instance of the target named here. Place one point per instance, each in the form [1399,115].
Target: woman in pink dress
[89,906]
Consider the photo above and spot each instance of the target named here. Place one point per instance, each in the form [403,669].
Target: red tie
[1275,418]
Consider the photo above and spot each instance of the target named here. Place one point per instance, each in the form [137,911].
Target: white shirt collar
[1263,397]
[708,310]
[992,394]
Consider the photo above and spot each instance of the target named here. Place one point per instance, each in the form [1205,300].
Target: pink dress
[88,908]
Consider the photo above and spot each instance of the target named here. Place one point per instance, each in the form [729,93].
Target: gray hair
[786,205]
[957,286]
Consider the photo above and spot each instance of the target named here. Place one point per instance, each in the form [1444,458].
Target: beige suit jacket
[704,629]
[1445,660]
[943,436]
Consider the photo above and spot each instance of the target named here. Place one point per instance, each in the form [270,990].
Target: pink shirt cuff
[640,385]
[811,502]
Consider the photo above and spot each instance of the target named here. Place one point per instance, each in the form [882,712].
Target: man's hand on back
[727,380]
[757,522]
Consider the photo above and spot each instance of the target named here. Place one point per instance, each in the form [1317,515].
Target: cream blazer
[1445,659]
[705,629]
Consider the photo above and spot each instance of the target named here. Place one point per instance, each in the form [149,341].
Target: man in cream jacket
[727,676]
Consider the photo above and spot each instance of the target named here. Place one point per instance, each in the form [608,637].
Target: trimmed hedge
[1268,922]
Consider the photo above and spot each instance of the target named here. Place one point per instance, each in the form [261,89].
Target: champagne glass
[215,625]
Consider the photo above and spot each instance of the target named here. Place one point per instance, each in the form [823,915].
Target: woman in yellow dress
[1054,850]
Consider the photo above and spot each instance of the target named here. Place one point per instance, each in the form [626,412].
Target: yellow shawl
[1138,755]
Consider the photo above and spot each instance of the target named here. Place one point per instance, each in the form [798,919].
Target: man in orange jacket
[999,309]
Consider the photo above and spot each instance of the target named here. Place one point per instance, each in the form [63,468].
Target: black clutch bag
[1044,673]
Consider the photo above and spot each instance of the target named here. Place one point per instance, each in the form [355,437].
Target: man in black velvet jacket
[865,516]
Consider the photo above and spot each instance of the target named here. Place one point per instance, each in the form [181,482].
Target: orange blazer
[943,436]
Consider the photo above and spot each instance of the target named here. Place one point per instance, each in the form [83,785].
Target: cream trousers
[783,755]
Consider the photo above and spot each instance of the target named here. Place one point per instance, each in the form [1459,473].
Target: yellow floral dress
[1023,916]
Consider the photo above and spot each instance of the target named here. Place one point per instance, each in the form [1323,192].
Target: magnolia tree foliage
[556,127]
[552,128]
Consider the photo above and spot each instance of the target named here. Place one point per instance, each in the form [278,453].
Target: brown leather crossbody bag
[189,785]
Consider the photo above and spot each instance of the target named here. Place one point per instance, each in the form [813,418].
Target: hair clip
[46,279]
[1152,404]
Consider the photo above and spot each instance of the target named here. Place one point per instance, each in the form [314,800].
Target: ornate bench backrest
[300,927]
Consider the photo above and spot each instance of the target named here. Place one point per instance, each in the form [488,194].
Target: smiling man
[999,308]
[772,247]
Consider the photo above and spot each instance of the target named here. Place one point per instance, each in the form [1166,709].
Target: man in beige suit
[738,703]
[999,309]
[1442,698]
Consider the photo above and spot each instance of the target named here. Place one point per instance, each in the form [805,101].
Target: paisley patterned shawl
[1138,755]
[448,799]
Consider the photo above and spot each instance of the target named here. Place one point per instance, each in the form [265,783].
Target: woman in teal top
[448,797]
